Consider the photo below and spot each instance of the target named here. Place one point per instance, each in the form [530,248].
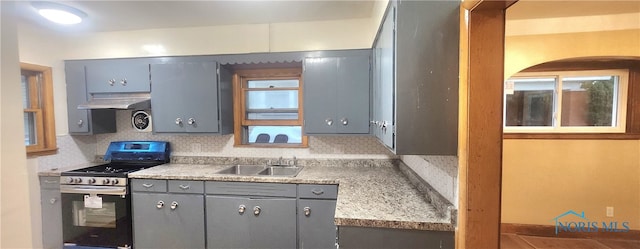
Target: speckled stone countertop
[369,195]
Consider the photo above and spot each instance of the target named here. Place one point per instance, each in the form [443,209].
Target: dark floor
[514,241]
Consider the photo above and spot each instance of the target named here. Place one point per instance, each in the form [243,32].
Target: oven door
[96,216]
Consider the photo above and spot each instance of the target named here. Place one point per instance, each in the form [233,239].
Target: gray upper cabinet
[187,96]
[84,122]
[415,78]
[118,75]
[336,95]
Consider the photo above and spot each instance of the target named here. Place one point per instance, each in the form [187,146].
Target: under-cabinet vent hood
[123,101]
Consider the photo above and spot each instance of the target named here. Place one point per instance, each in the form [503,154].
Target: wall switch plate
[609,211]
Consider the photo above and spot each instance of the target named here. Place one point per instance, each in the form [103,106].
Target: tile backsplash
[441,172]
[72,150]
[356,147]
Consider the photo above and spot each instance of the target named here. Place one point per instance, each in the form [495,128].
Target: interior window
[37,102]
[267,104]
[571,101]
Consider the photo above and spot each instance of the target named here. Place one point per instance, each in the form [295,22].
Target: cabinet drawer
[251,189]
[147,185]
[50,182]
[318,191]
[196,187]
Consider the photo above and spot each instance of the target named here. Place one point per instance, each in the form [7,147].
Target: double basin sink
[261,170]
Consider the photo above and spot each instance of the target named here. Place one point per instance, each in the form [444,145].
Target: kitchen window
[566,102]
[37,101]
[268,108]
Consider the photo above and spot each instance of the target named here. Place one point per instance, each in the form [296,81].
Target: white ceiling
[134,15]
[113,15]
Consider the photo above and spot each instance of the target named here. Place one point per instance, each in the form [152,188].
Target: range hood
[122,101]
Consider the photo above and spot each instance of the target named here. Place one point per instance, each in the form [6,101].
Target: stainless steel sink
[242,170]
[281,171]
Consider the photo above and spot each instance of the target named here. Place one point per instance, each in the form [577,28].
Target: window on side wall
[37,102]
[566,102]
[268,108]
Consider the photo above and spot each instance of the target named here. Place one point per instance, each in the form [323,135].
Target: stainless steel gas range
[96,201]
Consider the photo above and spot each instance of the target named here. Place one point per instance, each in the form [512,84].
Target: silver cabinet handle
[80,122]
[48,181]
[123,81]
[147,185]
[329,121]
[184,187]
[344,121]
[174,205]
[53,200]
[191,121]
[160,204]
[178,121]
[256,210]
[307,211]
[317,191]
[241,209]
[112,81]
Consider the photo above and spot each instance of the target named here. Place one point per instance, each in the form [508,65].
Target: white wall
[16,179]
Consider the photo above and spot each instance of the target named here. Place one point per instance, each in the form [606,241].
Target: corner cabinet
[415,78]
[191,97]
[84,122]
[172,219]
[336,95]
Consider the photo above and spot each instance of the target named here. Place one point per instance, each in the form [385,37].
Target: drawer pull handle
[50,182]
[160,204]
[317,191]
[184,187]
[53,200]
[147,185]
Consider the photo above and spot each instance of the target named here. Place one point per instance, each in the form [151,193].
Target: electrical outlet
[609,211]
[196,147]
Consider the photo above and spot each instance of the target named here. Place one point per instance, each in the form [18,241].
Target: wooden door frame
[480,133]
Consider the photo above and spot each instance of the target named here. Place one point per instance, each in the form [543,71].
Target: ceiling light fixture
[59,13]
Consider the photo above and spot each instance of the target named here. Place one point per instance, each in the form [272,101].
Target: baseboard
[550,231]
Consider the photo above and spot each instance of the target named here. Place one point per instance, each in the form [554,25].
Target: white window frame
[620,97]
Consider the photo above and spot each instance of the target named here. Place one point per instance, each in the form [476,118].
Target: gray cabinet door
[275,225]
[384,81]
[336,95]
[166,227]
[320,104]
[316,227]
[227,222]
[184,97]
[352,95]
[51,218]
[118,76]
[76,94]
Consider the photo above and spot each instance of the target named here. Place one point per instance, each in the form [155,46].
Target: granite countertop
[368,196]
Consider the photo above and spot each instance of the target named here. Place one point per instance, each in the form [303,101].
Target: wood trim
[237,111]
[48,116]
[573,136]
[633,99]
[291,122]
[479,196]
[549,231]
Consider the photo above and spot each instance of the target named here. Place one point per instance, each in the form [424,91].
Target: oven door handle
[93,190]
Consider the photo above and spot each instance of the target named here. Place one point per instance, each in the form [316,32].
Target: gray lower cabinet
[316,227]
[187,97]
[84,122]
[336,95]
[168,220]
[51,212]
